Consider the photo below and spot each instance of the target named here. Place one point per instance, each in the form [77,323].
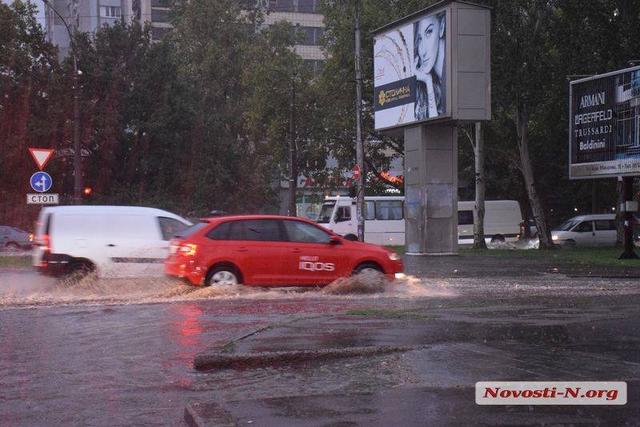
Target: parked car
[271,250]
[113,241]
[586,230]
[12,238]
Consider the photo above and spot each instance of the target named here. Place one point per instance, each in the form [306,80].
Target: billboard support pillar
[627,190]
[431,189]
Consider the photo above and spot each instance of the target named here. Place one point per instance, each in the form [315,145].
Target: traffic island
[219,360]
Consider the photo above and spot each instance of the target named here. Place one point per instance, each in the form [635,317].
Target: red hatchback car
[271,250]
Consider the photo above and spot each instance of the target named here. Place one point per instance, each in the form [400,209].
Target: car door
[134,246]
[259,249]
[605,232]
[312,257]
[583,233]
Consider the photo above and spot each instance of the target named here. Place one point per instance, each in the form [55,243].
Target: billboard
[410,83]
[604,114]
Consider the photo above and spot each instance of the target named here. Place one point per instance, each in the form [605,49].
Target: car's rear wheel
[498,238]
[368,267]
[12,246]
[223,275]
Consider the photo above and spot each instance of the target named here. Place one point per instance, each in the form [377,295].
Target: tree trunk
[293,155]
[478,212]
[522,127]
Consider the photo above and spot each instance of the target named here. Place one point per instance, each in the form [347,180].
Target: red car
[271,250]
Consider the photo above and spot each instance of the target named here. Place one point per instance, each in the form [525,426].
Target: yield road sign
[41,156]
[41,182]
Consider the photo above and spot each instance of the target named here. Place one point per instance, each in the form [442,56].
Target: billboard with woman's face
[410,72]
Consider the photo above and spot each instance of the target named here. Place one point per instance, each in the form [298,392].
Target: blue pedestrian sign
[41,182]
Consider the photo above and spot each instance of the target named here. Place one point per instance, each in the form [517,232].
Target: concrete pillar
[431,189]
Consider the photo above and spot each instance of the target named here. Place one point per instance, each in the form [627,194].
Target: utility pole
[359,143]
[293,155]
[627,190]
[77,154]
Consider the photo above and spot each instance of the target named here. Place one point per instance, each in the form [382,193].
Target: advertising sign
[605,124]
[410,83]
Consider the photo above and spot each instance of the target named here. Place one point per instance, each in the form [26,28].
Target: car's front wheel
[223,276]
[368,267]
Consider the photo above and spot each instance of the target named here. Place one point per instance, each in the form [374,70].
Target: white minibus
[384,219]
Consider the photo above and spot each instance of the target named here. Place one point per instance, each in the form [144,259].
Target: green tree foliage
[27,75]
[337,83]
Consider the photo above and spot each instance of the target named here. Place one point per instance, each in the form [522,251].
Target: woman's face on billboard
[427,41]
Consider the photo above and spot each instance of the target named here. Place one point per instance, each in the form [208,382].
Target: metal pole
[77,150]
[627,189]
[359,142]
[293,161]
[77,155]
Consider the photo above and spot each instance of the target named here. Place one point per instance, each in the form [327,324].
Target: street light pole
[359,142]
[77,155]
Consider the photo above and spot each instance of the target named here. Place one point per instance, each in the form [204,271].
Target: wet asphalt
[121,352]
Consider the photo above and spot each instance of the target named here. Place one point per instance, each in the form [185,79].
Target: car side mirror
[334,240]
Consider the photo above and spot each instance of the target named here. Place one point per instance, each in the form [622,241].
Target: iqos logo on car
[313,263]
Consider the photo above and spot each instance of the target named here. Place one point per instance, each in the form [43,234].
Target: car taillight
[188,249]
[43,242]
[31,237]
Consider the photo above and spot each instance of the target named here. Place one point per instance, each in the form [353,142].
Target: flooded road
[121,352]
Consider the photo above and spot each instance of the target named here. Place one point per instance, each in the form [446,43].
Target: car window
[389,210]
[369,210]
[262,230]
[605,224]
[465,217]
[583,227]
[170,227]
[324,217]
[190,230]
[305,233]
[343,213]
[221,232]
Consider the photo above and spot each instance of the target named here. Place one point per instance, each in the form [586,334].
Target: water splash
[32,290]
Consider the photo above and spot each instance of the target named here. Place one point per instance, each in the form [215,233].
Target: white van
[384,219]
[586,230]
[113,241]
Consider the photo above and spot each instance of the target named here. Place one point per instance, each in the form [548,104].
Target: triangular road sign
[41,156]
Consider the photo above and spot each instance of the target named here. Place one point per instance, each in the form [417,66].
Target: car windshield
[190,230]
[324,217]
[568,225]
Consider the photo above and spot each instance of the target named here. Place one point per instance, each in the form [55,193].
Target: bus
[384,219]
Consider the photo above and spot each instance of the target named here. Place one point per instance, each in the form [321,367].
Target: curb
[205,362]
[216,416]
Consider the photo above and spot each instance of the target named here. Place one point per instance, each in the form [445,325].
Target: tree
[28,75]
[281,114]
[522,60]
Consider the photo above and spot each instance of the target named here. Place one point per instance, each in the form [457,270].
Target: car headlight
[554,237]
[394,256]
